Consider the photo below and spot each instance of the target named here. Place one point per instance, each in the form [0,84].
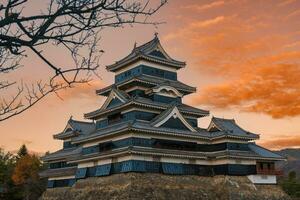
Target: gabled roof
[146,127]
[151,51]
[147,103]
[62,154]
[140,126]
[229,127]
[172,111]
[77,128]
[115,93]
[264,152]
[152,81]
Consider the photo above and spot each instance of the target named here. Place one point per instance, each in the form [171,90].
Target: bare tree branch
[69,24]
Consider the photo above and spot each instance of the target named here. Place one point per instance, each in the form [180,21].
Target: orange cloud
[280,143]
[206,23]
[206,6]
[286,2]
[293,14]
[85,90]
[273,90]
[248,54]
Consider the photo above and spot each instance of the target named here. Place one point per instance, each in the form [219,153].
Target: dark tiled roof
[82,127]
[163,114]
[175,153]
[148,103]
[166,113]
[264,152]
[121,94]
[144,52]
[142,126]
[146,126]
[111,129]
[78,127]
[67,171]
[153,80]
[62,154]
[229,127]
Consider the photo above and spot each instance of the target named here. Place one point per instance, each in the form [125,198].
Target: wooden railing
[269,172]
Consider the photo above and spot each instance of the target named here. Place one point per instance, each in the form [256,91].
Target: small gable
[172,118]
[174,123]
[157,53]
[114,102]
[213,127]
[115,98]
[68,127]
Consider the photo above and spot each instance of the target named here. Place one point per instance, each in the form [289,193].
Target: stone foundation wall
[138,186]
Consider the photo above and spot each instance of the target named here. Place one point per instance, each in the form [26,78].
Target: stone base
[137,186]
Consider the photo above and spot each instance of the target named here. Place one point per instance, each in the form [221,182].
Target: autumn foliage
[27,168]
[19,175]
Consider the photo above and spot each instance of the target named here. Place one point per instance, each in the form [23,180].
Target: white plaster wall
[61,178]
[86,164]
[174,160]
[262,179]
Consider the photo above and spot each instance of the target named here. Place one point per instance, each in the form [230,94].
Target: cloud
[206,23]
[85,90]
[255,60]
[286,2]
[280,143]
[193,27]
[293,14]
[207,6]
[272,90]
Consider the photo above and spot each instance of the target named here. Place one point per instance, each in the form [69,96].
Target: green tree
[22,151]
[291,185]
[292,176]
[7,164]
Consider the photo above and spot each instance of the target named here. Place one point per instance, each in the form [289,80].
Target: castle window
[114,118]
[106,146]
[261,166]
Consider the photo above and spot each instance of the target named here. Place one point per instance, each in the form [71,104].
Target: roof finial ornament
[134,45]
[156,34]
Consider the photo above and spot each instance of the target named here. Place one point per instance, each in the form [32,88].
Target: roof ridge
[77,121]
[225,119]
[166,111]
[155,39]
[143,52]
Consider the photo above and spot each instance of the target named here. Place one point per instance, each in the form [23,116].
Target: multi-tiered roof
[144,126]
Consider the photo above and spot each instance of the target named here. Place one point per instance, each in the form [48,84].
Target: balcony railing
[269,172]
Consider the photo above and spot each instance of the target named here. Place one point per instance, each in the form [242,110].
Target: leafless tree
[71,24]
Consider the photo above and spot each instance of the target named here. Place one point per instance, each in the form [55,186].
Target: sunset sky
[242,55]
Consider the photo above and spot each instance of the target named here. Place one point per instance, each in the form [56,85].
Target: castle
[143,126]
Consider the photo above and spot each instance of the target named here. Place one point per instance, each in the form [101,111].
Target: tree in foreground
[26,176]
[72,25]
[291,185]
[19,175]
[7,163]
[22,151]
